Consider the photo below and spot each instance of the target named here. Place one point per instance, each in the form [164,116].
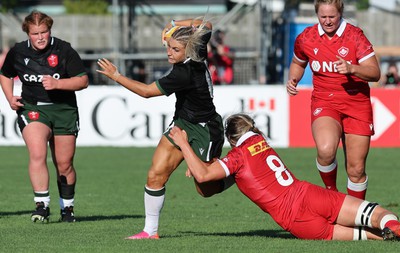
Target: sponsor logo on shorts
[201,151]
[317,111]
[33,115]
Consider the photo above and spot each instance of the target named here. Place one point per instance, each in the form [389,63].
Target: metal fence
[104,36]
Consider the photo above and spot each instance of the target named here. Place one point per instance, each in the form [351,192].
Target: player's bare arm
[7,85]
[296,72]
[75,83]
[189,22]
[144,90]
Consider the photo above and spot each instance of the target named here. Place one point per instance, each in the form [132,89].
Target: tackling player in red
[305,210]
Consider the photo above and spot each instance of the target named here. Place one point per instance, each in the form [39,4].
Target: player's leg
[65,121]
[356,212]
[344,233]
[358,129]
[356,149]
[36,136]
[63,151]
[165,160]
[327,133]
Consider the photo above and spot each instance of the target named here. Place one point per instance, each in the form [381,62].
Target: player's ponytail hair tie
[168,34]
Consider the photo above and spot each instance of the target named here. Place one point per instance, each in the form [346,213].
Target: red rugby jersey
[263,177]
[314,47]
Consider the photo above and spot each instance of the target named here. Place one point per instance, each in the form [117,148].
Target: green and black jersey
[58,59]
[191,82]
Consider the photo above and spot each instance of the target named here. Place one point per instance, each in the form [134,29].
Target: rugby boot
[142,235]
[67,214]
[41,213]
[391,234]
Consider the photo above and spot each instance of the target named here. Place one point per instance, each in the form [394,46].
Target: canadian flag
[261,104]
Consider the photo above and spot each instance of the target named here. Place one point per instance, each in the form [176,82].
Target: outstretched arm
[144,90]
[201,171]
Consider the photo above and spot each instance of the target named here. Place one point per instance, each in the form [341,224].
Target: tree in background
[96,7]
[6,5]
[362,4]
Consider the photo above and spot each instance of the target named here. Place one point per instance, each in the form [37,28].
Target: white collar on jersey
[339,31]
[244,137]
[51,42]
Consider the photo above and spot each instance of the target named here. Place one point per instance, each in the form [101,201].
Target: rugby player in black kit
[50,71]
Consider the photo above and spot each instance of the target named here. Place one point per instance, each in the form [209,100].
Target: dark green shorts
[62,119]
[206,139]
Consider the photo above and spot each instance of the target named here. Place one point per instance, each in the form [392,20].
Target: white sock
[327,168]
[66,202]
[44,199]
[153,203]
[357,187]
[385,219]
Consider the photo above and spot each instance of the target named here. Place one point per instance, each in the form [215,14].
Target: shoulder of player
[309,32]
[178,73]
[21,45]
[353,28]
[354,33]
[312,28]
[61,43]
[182,68]
[20,48]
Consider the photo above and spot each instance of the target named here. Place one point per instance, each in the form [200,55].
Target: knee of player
[357,175]
[65,168]
[156,179]
[326,153]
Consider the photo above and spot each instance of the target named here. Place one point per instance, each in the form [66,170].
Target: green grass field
[109,207]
